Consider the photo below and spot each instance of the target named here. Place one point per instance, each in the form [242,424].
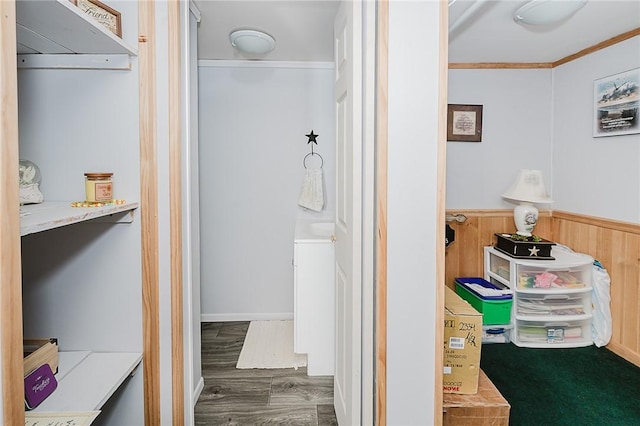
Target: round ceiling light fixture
[252,41]
[544,12]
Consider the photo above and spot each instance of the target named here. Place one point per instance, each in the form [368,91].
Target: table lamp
[527,190]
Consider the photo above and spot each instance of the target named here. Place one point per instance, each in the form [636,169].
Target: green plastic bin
[494,309]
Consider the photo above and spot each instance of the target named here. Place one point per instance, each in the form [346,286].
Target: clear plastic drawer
[552,304]
[553,332]
[551,279]
[499,266]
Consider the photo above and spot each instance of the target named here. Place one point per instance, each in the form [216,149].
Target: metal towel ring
[304,161]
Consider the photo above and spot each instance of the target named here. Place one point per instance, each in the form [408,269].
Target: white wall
[593,176]
[412,212]
[253,117]
[516,134]
[543,119]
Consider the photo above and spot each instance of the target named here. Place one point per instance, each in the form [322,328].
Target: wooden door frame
[10,264]
[381,212]
[380,330]
[175,206]
[443,74]
[149,210]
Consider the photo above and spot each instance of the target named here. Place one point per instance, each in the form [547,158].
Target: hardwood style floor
[256,396]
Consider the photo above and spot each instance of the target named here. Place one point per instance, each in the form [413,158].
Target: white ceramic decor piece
[30,183]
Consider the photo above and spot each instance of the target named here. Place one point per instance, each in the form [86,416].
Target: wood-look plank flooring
[256,396]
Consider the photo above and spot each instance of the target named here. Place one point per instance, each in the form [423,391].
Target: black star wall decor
[312,138]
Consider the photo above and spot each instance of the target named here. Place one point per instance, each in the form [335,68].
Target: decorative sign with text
[105,15]
[464,123]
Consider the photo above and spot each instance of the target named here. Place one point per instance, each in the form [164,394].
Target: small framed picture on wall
[464,123]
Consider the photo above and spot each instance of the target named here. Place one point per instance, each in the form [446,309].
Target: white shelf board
[68,360]
[61,23]
[86,380]
[55,214]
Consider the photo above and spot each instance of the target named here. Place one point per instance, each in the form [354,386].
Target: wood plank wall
[464,258]
[615,244]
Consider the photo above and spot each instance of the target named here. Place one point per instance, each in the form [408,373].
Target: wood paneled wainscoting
[464,258]
[615,244]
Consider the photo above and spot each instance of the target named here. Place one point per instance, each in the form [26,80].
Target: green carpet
[577,386]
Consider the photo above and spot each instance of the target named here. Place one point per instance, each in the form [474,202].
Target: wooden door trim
[443,72]
[10,264]
[380,338]
[149,211]
[175,219]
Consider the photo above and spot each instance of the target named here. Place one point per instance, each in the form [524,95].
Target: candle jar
[98,187]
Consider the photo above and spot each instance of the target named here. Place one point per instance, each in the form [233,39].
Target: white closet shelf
[59,27]
[55,214]
[86,380]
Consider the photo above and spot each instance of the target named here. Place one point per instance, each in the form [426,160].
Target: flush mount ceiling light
[544,12]
[252,41]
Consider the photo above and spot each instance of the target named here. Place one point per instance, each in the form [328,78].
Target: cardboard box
[462,343]
[38,352]
[487,407]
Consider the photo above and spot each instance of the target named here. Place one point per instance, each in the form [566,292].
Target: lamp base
[525,216]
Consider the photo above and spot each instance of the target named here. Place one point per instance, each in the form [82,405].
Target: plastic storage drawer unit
[554,333]
[495,304]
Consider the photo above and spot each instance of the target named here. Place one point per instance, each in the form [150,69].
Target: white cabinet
[551,298]
[314,293]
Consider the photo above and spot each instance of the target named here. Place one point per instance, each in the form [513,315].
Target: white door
[348,97]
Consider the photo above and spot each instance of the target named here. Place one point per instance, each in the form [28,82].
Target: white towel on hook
[312,195]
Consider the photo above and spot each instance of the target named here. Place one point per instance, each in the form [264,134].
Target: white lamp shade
[252,41]
[528,187]
[544,12]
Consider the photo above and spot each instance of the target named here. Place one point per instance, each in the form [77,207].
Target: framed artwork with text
[464,123]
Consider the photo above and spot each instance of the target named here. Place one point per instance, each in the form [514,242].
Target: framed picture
[102,13]
[615,104]
[464,123]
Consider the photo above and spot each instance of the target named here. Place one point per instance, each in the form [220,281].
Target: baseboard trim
[197,391]
[624,352]
[246,317]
